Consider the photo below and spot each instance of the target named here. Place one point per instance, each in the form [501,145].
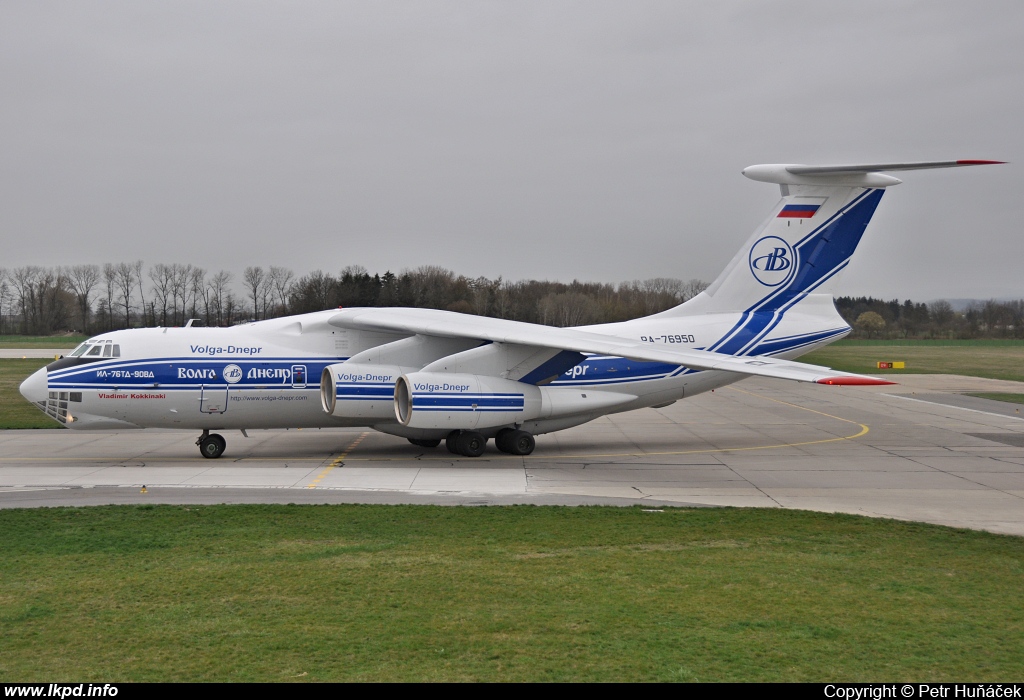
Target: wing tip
[970,161]
[854,381]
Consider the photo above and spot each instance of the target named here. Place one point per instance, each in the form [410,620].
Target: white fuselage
[267,374]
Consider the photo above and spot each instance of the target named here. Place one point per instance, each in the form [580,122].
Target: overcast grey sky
[552,140]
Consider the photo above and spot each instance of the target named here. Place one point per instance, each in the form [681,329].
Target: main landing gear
[467,443]
[515,442]
[470,443]
[211,446]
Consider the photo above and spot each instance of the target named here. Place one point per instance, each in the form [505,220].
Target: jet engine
[442,401]
[462,401]
[359,391]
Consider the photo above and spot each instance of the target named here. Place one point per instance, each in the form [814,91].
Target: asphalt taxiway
[917,451]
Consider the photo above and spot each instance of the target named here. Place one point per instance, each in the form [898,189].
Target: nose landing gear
[211,446]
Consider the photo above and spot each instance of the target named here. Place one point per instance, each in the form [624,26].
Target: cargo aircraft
[428,375]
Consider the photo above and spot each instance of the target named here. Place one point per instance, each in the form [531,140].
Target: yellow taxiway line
[338,461]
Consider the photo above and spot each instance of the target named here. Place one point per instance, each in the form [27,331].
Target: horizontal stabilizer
[882,167]
[856,175]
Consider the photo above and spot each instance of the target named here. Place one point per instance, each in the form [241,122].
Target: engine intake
[359,391]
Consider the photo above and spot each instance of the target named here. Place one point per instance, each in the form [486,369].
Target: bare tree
[692,288]
[197,289]
[181,276]
[53,298]
[110,283]
[161,276]
[125,276]
[568,309]
[313,292]
[5,297]
[255,280]
[83,280]
[280,280]
[42,298]
[24,280]
[137,270]
[218,295]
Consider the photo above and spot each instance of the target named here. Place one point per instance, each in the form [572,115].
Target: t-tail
[798,254]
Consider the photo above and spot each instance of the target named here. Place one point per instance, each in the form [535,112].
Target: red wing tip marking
[981,162]
[854,381]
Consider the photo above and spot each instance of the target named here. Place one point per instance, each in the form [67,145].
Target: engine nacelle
[442,401]
[438,400]
[359,391]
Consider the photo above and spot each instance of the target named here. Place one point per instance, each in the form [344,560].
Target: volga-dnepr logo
[772,261]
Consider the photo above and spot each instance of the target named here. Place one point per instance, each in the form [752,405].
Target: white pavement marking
[959,408]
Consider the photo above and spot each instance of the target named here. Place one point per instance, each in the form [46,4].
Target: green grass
[429,593]
[15,411]
[1008,398]
[57,342]
[995,359]
[980,342]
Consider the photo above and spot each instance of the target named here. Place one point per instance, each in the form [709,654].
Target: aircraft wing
[448,324]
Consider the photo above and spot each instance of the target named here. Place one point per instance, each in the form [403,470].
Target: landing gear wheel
[451,440]
[212,446]
[501,440]
[470,443]
[424,443]
[522,443]
[515,442]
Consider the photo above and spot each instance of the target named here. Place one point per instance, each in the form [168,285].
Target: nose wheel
[211,446]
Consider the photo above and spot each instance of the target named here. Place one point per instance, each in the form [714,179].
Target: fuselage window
[94,351]
[117,351]
[106,350]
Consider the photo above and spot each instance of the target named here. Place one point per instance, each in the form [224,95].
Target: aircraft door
[213,398]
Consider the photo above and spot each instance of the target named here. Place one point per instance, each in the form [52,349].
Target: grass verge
[1008,398]
[994,359]
[15,411]
[415,593]
[58,342]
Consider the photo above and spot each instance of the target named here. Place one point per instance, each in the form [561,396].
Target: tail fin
[807,240]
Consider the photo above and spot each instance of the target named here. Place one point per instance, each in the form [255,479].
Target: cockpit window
[97,348]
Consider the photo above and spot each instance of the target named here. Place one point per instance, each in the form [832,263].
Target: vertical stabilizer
[809,237]
[801,249]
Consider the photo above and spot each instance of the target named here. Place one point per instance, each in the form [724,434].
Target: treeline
[876,318]
[96,298]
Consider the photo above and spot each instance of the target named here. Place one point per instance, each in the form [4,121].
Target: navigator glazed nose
[35,387]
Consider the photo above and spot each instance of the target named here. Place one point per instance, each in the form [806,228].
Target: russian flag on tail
[798,211]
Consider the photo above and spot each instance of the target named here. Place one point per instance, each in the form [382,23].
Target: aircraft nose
[35,387]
